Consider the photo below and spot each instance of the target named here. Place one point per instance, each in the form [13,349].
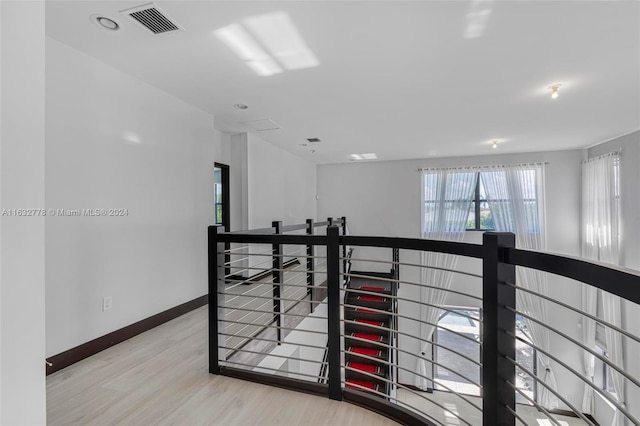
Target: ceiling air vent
[152,18]
[261,125]
[313,140]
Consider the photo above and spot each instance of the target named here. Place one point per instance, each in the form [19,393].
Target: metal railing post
[499,324]
[344,247]
[216,286]
[333,315]
[277,275]
[395,269]
[310,266]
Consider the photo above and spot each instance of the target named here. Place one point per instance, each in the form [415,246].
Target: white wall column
[22,289]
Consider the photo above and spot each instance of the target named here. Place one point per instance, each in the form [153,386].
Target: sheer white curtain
[601,241]
[447,195]
[611,313]
[589,305]
[516,199]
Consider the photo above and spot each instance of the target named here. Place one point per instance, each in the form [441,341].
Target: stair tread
[371,288]
[370,311]
[356,326]
[374,284]
[367,336]
[358,384]
[362,302]
[369,322]
[366,351]
[370,306]
[370,298]
[367,368]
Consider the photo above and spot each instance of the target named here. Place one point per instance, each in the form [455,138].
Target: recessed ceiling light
[554,90]
[495,143]
[240,106]
[105,23]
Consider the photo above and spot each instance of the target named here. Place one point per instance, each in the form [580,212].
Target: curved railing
[435,363]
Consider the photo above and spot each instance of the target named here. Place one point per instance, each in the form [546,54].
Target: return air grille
[152,18]
[261,125]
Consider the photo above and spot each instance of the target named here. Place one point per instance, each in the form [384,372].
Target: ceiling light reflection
[279,35]
[269,44]
[132,137]
[368,156]
[264,67]
[477,18]
[243,45]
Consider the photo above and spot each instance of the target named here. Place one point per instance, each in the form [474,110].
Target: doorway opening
[221,195]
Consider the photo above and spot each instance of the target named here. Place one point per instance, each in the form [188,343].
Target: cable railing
[418,338]
[269,306]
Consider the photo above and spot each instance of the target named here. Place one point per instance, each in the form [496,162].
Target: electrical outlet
[107,303]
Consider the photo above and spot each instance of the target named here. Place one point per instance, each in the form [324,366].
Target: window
[491,192]
[480,218]
[217,196]
[601,241]
[447,195]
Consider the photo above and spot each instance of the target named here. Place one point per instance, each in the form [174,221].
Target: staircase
[367,353]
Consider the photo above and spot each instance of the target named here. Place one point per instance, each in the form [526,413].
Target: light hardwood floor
[160,377]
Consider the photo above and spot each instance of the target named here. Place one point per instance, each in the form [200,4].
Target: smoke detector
[104,22]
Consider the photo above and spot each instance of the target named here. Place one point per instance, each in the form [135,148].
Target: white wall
[383,198]
[267,184]
[116,142]
[222,149]
[629,146]
[22,320]
[238,183]
[281,186]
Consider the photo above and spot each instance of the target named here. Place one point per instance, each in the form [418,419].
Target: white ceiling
[399,79]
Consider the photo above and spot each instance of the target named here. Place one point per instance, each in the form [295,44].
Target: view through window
[480,209]
[217,194]
[480,218]
[459,330]
[458,351]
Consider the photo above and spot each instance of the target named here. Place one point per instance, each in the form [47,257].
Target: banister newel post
[216,285]
[277,275]
[333,314]
[498,336]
